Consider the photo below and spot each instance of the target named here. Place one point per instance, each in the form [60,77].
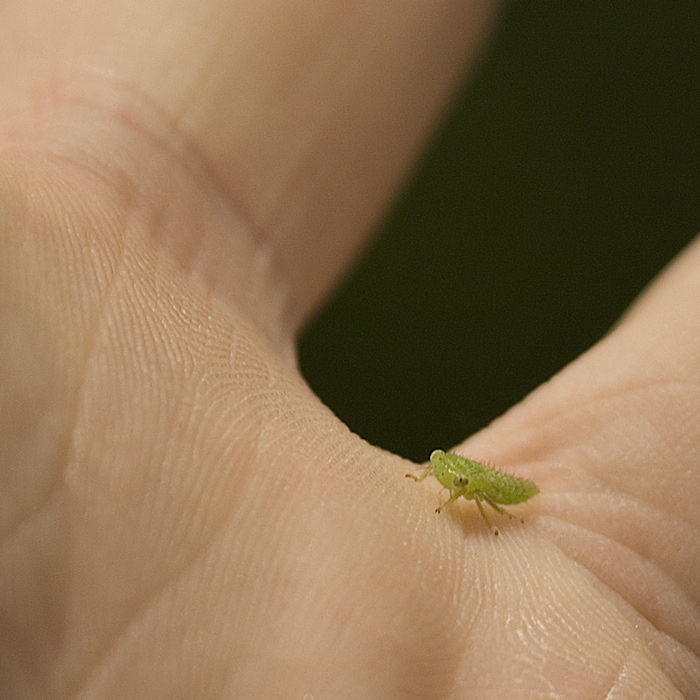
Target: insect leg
[483,514]
[500,510]
[455,495]
[422,476]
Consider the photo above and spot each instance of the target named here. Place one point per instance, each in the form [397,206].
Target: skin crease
[179,516]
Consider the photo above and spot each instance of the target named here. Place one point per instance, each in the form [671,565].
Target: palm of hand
[195,518]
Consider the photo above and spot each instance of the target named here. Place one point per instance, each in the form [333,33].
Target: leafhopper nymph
[476,481]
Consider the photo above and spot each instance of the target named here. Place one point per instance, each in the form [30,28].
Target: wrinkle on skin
[147,167]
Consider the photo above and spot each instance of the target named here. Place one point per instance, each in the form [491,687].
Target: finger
[307,115]
[612,442]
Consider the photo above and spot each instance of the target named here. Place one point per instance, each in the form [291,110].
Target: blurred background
[565,177]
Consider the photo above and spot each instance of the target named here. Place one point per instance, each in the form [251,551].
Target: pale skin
[181,183]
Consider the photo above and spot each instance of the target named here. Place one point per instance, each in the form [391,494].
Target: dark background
[566,176]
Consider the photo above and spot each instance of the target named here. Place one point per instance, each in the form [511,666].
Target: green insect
[476,481]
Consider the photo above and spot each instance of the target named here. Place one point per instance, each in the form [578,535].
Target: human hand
[180,184]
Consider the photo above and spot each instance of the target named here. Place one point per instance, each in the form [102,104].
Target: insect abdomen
[507,489]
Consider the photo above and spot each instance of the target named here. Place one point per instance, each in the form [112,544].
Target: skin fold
[181,183]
